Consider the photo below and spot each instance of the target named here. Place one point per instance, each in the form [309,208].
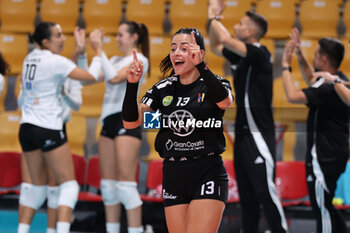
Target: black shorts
[113,127]
[33,137]
[201,178]
[64,129]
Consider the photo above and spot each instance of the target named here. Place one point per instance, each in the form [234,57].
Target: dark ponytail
[142,42]
[42,31]
[4,67]
[165,65]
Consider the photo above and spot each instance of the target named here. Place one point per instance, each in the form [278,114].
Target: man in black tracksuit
[254,153]
[327,127]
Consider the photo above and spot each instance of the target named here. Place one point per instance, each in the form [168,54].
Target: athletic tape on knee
[25,187]
[53,193]
[68,194]
[32,196]
[128,194]
[109,192]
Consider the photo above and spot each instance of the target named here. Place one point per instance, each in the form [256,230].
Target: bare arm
[80,43]
[120,76]
[343,92]
[224,39]
[347,84]
[215,45]
[305,66]
[219,36]
[94,71]
[294,95]
[81,75]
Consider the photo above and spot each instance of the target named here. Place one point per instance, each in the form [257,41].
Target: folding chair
[14,48]
[79,168]
[9,132]
[64,13]
[234,11]
[233,196]
[154,182]
[76,134]
[17,16]
[92,100]
[283,110]
[291,183]
[347,19]
[313,21]
[102,13]
[188,13]
[159,49]
[10,172]
[280,15]
[345,65]
[150,13]
[93,180]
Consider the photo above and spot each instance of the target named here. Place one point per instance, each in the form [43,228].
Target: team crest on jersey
[167,100]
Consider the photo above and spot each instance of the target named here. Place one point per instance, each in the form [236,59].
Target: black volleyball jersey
[328,122]
[253,80]
[191,122]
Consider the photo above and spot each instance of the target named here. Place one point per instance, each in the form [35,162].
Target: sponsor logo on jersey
[200,97]
[183,123]
[28,86]
[168,195]
[122,131]
[62,134]
[167,100]
[49,142]
[309,178]
[151,120]
[258,160]
[169,144]
[184,146]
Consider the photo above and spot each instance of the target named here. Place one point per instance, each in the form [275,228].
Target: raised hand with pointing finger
[135,69]
[195,52]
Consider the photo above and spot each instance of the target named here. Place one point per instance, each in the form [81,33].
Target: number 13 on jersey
[207,188]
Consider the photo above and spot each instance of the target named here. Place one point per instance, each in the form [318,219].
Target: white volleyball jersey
[114,93]
[72,99]
[43,75]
